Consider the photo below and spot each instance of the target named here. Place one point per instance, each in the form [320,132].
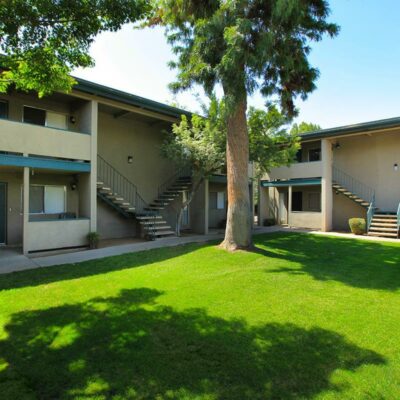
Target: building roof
[128,98]
[351,129]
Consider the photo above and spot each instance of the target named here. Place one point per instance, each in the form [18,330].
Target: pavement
[12,260]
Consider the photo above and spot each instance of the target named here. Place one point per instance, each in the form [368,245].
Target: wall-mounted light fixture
[130,159]
[396,167]
[72,119]
[336,146]
[73,186]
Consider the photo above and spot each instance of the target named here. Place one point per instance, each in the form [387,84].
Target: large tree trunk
[238,225]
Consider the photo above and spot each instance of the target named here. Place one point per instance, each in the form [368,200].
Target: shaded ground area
[118,347]
[303,317]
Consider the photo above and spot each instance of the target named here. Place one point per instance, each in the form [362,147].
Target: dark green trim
[351,129]
[128,98]
[292,182]
[43,163]
[218,179]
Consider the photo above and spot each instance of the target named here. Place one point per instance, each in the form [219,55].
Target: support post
[206,206]
[289,204]
[25,236]
[326,185]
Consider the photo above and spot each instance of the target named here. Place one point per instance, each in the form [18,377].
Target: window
[299,156]
[297,201]
[314,154]
[3,109]
[217,200]
[34,116]
[46,199]
[314,201]
[38,116]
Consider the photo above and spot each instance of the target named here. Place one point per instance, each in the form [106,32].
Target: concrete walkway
[11,260]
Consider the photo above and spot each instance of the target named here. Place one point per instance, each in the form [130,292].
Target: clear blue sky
[360,69]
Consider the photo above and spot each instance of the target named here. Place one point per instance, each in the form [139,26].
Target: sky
[359,69]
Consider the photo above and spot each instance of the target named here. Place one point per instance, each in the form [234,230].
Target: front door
[283,214]
[3,212]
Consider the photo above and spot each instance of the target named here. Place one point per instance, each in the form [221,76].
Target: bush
[93,238]
[269,222]
[357,226]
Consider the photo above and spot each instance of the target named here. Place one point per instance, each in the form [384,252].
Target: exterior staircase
[384,224]
[355,190]
[121,194]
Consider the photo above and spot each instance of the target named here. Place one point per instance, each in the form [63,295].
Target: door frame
[5,212]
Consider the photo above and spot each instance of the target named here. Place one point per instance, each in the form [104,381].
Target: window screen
[34,116]
[3,109]
[314,155]
[221,200]
[56,120]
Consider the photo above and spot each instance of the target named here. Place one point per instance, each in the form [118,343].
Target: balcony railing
[18,137]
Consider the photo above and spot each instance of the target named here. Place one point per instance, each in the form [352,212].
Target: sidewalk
[11,260]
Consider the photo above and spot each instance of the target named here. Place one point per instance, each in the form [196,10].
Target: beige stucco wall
[296,170]
[343,210]
[43,141]
[305,219]
[119,138]
[46,235]
[370,159]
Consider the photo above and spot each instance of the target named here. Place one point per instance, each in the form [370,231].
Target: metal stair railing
[353,185]
[119,184]
[183,172]
[398,219]
[370,212]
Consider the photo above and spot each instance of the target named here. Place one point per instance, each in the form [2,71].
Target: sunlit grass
[302,317]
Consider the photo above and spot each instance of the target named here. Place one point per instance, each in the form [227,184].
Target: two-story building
[340,173]
[90,161]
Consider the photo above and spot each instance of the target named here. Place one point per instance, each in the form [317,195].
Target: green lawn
[305,317]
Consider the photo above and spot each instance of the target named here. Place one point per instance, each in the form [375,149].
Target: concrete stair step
[382,229]
[157,228]
[148,217]
[384,224]
[383,234]
[165,233]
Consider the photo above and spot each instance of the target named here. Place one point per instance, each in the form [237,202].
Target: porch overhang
[43,163]
[292,182]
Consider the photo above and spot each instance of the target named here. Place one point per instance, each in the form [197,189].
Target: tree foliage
[245,45]
[304,127]
[43,40]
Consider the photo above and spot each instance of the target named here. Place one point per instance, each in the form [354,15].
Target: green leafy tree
[194,145]
[43,40]
[244,46]
[199,145]
[304,127]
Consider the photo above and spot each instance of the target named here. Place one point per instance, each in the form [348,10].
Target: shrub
[269,222]
[93,238]
[357,226]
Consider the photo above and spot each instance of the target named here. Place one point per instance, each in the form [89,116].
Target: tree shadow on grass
[357,263]
[129,347]
[46,275]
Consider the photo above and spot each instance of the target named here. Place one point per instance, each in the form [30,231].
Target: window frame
[46,111]
[314,149]
[7,103]
[44,199]
[319,201]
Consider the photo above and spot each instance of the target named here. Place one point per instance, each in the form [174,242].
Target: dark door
[3,214]
[297,201]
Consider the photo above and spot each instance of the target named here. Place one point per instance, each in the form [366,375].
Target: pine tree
[244,46]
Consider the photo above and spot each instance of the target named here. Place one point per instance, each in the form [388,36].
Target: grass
[304,317]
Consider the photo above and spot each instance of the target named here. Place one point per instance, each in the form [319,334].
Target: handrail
[371,212]
[120,184]
[182,172]
[353,185]
[398,219]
